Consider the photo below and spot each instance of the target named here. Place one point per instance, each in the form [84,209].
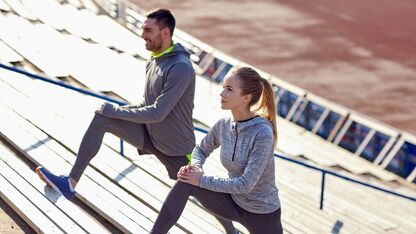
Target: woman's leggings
[220,204]
[134,133]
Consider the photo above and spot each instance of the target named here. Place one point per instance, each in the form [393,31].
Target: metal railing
[323,171]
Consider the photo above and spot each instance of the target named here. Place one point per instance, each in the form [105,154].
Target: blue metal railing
[323,171]
[62,84]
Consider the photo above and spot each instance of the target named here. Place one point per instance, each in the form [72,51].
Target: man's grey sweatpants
[134,133]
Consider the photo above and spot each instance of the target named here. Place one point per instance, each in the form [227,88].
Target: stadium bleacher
[4,6]
[62,40]
[8,55]
[300,201]
[24,181]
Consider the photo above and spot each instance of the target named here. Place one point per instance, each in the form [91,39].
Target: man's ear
[166,33]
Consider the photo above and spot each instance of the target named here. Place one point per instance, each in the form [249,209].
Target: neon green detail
[189,157]
[168,50]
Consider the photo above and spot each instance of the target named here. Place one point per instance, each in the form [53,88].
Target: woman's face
[231,95]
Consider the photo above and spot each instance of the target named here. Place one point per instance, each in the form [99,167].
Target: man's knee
[173,175]
[171,163]
[100,120]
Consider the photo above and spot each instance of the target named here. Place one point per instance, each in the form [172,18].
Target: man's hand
[190,174]
[106,105]
[100,110]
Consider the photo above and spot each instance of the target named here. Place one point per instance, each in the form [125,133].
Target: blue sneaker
[58,183]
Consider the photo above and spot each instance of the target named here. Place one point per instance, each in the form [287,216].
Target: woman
[249,195]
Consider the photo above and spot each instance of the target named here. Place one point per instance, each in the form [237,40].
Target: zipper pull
[236,139]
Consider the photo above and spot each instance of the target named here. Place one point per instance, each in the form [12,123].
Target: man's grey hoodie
[247,154]
[168,103]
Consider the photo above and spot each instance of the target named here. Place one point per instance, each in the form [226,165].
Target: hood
[177,49]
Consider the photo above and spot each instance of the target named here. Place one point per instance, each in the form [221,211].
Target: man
[161,124]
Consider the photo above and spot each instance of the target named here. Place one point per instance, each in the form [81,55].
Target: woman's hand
[184,170]
[190,174]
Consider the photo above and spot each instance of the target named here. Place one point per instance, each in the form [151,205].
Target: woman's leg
[173,164]
[220,204]
[93,137]
[262,223]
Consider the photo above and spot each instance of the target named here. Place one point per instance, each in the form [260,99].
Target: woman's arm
[207,145]
[258,158]
[191,174]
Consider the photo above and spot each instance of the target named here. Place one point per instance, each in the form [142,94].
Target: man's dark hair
[164,18]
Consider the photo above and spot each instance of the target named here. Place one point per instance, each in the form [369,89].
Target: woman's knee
[185,187]
[181,184]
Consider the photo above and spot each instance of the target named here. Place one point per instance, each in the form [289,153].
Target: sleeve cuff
[203,181]
[108,109]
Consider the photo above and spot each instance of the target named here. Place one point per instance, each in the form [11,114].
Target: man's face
[152,35]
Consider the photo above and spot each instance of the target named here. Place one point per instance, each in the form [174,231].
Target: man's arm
[134,106]
[178,80]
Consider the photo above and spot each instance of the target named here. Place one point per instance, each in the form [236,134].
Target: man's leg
[131,132]
[90,144]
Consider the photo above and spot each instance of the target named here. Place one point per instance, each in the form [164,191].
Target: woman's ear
[247,98]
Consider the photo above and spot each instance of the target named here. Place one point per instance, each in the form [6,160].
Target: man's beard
[155,47]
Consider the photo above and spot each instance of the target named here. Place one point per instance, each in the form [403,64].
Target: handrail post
[121,147]
[321,206]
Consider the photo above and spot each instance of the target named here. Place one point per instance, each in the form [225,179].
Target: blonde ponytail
[262,95]
[267,106]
